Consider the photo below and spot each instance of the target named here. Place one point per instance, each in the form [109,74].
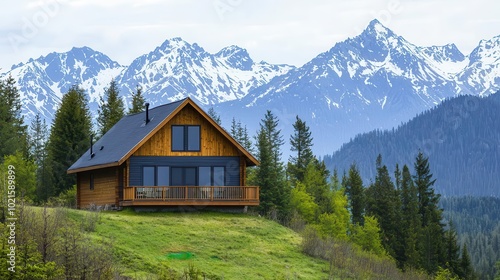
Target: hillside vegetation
[233,246]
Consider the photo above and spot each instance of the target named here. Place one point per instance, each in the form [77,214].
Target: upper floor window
[186,138]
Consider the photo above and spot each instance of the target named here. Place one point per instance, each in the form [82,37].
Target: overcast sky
[280,31]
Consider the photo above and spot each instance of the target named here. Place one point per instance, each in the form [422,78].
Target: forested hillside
[477,222]
[460,137]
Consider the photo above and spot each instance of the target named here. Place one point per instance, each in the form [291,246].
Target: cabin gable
[212,141]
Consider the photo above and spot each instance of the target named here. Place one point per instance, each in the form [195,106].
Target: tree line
[400,219]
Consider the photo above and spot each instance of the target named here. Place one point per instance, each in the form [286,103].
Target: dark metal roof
[124,136]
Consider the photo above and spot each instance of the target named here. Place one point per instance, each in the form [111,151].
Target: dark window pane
[148,176]
[190,176]
[177,176]
[204,176]
[163,176]
[219,176]
[193,138]
[177,138]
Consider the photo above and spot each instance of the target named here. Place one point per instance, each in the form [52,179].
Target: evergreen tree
[300,142]
[213,114]
[466,269]
[432,233]
[38,148]
[452,250]
[138,101]
[410,223]
[240,134]
[13,133]
[382,203]
[69,137]
[274,191]
[111,109]
[355,192]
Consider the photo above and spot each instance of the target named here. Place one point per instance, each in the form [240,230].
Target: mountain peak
[376,27]
[236,56]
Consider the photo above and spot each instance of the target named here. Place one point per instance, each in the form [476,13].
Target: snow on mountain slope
[177,69]
[373,81]
[43,81]
[482,74]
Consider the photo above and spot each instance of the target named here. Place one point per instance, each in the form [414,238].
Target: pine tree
[270,177]
[410,223]
[69,137]
[138,101]
[111,109]
[382,203]
[300,142]
[240,134]
[432,233]
[213,114]
[13,132]
[452,250]
[38,147]
[466,269]
[355,192]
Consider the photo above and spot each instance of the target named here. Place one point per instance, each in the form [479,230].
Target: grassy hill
[232,246]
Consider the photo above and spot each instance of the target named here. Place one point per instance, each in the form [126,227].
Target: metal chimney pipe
[91,146]
[147,113]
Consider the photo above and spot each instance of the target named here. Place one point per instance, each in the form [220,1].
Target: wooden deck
[191,196]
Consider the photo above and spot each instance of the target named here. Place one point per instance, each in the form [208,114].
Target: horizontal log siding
[105,187]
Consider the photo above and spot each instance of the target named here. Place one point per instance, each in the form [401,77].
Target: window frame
[154,175]
[185,139]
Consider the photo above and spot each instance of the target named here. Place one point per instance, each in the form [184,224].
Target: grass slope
[234,246]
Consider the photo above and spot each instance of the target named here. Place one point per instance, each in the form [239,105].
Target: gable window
[186,138]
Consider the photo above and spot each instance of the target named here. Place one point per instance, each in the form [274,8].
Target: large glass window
[219,176]
[204,176]
[148,176]
[185,138]
[163,176]
[183,176]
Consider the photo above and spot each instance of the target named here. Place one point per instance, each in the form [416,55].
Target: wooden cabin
[171,155]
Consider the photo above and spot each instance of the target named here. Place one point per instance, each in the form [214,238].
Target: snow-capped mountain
[482,74]
[177,69]
[43,81]
[172,71]
[375,80]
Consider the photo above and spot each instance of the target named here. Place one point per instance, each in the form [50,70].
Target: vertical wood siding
[213,143]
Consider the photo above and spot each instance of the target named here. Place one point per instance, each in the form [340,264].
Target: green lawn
[234,246]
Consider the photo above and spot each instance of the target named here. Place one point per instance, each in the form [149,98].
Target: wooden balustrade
[192,194]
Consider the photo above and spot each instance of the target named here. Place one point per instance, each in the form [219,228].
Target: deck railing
[192,193]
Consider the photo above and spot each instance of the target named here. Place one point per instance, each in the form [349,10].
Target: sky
[279,32]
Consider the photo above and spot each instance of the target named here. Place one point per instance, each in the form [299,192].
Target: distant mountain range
[373,81]
[461,137]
